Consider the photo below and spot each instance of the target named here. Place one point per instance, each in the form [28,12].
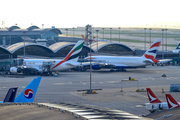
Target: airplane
[172,103]
[155,104]
[10,96]
[34,66]
[26,96]
[123,62]
[177,50]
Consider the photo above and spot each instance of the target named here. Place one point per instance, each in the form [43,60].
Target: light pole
[103,33]
[144,38]
[66,33]
[24,43]
[42,26]
[166,38]
[162,40]
[73,32]
[150,36]
[97,39]
[10,37]
[119,33]
[110,34]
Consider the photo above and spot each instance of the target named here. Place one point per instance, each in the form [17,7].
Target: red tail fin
[171,102]
[152,97]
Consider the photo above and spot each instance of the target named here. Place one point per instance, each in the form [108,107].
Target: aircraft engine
[15,70]
[96,67]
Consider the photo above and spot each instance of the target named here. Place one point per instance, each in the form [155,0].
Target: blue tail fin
[28,94]
[178,47]
[11,94]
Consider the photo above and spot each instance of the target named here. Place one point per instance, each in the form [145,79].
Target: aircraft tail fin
[28,94]
[152,97]
[172,103]
[178,47]
[150,54]
[11,94]
[73,55]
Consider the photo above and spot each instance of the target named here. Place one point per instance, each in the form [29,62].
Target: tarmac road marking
[139,95]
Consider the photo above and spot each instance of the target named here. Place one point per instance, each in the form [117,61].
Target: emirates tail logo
[172,105]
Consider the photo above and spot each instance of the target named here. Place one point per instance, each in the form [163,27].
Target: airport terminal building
[14,35]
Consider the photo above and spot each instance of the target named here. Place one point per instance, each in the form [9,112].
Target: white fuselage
[38,63]
[121,62]
[155,106]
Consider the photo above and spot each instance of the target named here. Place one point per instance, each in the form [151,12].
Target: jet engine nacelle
[96,67]
[15,70]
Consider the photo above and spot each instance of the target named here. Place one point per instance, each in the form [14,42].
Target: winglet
[152,97]
[28,94]
[11,94]
[172,103]
[151,52]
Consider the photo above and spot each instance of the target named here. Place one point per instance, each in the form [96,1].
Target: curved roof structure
[57,46]
[13,28]
[104,44]
[4,49]
[57,31]
[32,27]
[19,45]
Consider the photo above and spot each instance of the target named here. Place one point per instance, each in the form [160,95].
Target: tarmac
[64,87]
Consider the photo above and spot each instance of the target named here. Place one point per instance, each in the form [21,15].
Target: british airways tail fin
[172,103]
[11,94]
[178,47]
[28,94]
[152,97]
[150,54]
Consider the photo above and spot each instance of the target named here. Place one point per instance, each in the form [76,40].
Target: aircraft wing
[164,60]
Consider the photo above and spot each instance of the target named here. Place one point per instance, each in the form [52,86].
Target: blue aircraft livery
[28,94]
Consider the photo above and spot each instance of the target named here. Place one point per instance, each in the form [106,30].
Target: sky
[98,13]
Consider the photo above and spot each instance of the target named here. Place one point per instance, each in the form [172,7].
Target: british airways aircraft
[123,62]
[36,65]
[26,96]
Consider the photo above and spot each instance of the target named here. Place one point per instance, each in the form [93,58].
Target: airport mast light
[24,43]
[66,33]
[119,33]
[97,39]
[144,38]
[73,32]
[162,40]
[110,34]
[166,38]
[150,36]
[103,33]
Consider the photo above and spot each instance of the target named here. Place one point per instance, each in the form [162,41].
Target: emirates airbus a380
[34,66]
[123,62]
